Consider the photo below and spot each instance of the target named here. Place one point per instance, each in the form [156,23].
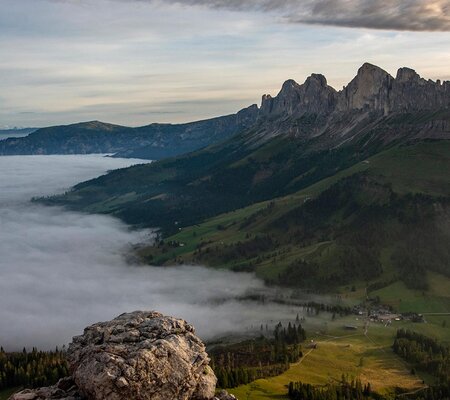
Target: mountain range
[312,109]
[322,188]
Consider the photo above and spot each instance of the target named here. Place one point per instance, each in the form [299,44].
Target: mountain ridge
[372,94]
[159,140]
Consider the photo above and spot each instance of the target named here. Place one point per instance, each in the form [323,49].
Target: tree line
[344,390]
[242,363]
[31,369]
[426,354]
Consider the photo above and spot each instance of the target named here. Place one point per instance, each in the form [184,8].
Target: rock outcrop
[65,389]
[312,97]
[224,395]
[138,355]
[368,90]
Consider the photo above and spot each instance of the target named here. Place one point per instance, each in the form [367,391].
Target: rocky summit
[139,355]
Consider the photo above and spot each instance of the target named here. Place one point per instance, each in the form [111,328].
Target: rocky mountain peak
[407,75]
[410,92]
[370,69]
[314,96]
[288,86]
[317,79]
[266,104]
[367,90]
[285,102]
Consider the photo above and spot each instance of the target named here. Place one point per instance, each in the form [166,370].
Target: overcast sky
[135,62]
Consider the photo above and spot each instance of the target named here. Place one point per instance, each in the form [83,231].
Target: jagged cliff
[372,89]
[313,96]
[136,356]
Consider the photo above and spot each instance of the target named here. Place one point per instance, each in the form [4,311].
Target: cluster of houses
[386,316]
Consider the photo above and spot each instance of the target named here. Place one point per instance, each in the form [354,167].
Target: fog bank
[60,270]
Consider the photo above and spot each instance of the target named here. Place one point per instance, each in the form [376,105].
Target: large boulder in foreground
[138,355]
[141,355]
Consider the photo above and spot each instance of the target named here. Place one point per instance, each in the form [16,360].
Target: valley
[224,200]
[327,209]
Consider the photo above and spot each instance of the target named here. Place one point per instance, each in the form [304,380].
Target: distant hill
[153,141]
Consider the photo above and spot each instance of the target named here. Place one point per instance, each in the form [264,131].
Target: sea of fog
[62,270]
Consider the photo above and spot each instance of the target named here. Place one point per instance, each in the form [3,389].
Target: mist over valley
[62,270]
[224,200]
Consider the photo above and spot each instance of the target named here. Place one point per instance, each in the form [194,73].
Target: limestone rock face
[141,355]
[374,90]
[312,97]
[368,90]
[136,356]
[371,90]
[411,92]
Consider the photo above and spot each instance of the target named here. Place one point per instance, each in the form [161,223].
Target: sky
[134,62]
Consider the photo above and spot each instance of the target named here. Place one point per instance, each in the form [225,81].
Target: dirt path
[413,392]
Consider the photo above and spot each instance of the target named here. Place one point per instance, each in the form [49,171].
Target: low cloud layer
[413,15]
[60,271]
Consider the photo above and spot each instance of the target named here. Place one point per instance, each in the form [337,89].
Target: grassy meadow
[368,357]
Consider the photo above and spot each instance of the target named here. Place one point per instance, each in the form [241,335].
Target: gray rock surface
[368,90]
[372,90]
[312,97]
[138,355]
[141,355]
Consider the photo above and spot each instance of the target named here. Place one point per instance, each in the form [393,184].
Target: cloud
[60,270]
[412,15]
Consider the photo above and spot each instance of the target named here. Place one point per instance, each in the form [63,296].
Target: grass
[434,300]
[340,351]
[354,354]
[419,168]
